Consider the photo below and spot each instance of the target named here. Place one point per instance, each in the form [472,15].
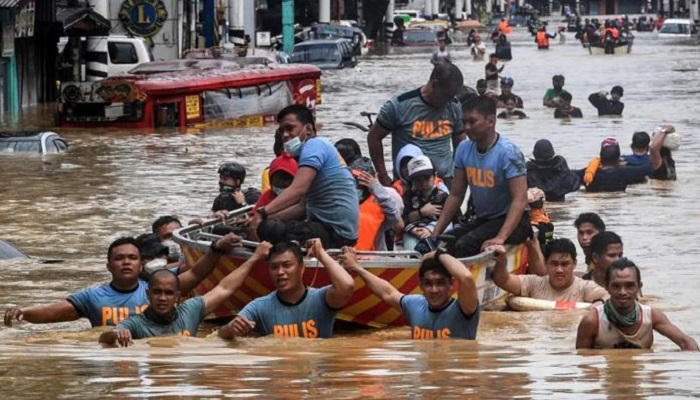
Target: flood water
[114,183]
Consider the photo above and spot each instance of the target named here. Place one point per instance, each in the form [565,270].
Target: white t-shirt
[538,287]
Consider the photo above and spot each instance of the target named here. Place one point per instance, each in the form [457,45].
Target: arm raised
[501,277]
[377,285]
[203,267]
[342,284]
[466,293]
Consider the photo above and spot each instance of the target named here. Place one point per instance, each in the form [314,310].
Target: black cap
[640,140]
[543,150]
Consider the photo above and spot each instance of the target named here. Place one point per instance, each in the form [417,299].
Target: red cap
[285,163]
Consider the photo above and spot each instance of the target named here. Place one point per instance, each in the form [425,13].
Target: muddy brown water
[114,183]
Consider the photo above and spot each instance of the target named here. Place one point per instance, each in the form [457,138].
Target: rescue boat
[400,268]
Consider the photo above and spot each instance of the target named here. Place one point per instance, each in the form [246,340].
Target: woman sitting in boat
[379,209]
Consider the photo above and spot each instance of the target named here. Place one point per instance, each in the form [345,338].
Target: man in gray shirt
[429,117]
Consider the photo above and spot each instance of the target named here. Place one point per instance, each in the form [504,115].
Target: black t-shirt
[616,179]
[490,69]
[605,106]
[515,114]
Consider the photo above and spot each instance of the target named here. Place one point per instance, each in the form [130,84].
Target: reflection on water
[113,183]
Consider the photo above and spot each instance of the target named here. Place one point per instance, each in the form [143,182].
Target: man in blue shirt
[428,117]
[494,169]
[125,295]
[163,317]
[323,189]
[435,314]
[294,310]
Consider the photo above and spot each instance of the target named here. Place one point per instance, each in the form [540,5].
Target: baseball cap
[609,142]
[285,163]
[420,166]
[543,150]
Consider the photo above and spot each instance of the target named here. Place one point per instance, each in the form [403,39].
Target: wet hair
[278,145]
[558,78]
[620,265]
[483,105]
[282,247]
[120,242]
[162,221]
[640,140]
[617,89]
[492,55]
[560,246]
[152,278]
[601,241]
[590,218]
[302,113]
[481,83]
[447,75]
[566,96]
[349,149]
[610,155]
[433,265]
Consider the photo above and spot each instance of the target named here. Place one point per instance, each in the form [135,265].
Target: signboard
[24,21]
[263,39]
[192,106]
[143,17]
[8,40]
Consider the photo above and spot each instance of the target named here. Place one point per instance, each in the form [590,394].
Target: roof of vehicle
[682,21]
[25,135]
[321,41]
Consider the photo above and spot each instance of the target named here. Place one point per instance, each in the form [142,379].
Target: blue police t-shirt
[410,119]
[104,305]
[310,318]
[488,175]
[189,315]
[448,323]
[332,198]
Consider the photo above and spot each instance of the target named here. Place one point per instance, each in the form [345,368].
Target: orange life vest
[504,27]
[542,39]
[371,220]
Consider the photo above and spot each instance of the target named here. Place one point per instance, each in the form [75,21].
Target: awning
[8,3]
[83,22]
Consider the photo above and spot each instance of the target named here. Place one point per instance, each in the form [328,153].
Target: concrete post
[388,21]
[436,7]
[324,11]
[236,24]
[428,8]
[96,57]
[12,105]
[459,7]
[468,7]
[694,10]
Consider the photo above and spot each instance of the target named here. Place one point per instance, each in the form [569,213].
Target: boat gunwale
[384,259]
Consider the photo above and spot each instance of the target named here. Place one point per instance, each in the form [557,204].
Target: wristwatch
[262,212]
[215,249]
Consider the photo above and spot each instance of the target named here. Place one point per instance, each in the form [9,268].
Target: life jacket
[542,39]
[371,220]
[265,180]
[537,216]
[591,170]
[504,27]
[398,186]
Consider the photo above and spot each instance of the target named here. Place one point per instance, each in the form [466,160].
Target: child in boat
[538,216]
[282,170]
[423,202]
[231,197]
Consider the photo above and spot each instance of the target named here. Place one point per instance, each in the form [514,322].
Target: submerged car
[677,28]
[32,143]
[324,54]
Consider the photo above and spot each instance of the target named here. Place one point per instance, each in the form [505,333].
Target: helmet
[506,81]
[232,170]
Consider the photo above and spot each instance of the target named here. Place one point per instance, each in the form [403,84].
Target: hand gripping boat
[398,267]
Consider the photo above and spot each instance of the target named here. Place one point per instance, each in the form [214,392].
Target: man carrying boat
[125,295]
[435,314]
[494,169]
[428,117]
[621,322]
[165,317]
[323,189]
[559,284]
[294,310]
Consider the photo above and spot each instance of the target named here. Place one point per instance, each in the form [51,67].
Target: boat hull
[598,50]
[364,308]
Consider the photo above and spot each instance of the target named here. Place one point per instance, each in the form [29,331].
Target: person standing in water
[441,54]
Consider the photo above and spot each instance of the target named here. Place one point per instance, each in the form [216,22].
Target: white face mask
[293,147]
[154,265]
[174,251]
[277,190]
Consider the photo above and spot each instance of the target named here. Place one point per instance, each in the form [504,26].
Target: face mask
[277,190]
[174,251]
[154,265]
[293,147]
